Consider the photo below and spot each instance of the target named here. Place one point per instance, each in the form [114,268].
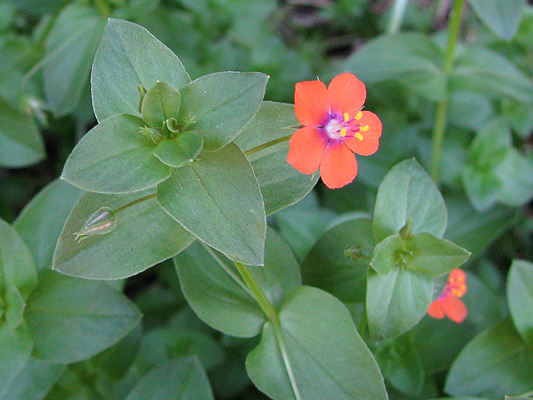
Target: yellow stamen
[343,132]
[364,128]
[359,115]
[346,117]
[359,136]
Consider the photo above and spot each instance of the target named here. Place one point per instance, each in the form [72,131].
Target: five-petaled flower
[448,303]
[334,128]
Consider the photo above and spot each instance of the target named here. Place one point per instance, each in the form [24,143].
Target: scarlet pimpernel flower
[334,128]
[448,303]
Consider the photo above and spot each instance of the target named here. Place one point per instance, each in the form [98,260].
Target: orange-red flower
[334,128]
[448,303]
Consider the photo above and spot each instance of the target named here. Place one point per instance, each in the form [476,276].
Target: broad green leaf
[180,379]
[388,254]
[20,140]
[15,350]
[145,235]
[321,357]
[180,151]
[95,317]
[129,56]
[411,59]
[407,193]
[264,140]
[501,16]
[218,295]
[496,361]
[32,382]
[396,302]
[516,174]
[70,50]
[520,298]
[338,262]
[481,187]
[221,104]
[217,199]
[115,157]
[161,102]
[484,71]
[40,222]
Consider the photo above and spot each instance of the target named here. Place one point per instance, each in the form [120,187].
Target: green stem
[132,203]
[266,145]
[398,11]
[439,127]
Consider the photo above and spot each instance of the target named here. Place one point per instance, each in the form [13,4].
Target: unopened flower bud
[102,221]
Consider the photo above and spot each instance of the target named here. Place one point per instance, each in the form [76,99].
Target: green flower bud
[102,221]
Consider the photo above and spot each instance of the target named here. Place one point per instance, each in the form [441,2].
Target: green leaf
[215,291]
[217,199]
[396,302]
[411,59]
[516,174]
[501,16]
[15,350]
[221,104]
[520,298]
[145,235]
[496,361]
[70,51]
[338,262]
[484,71]
[94,317]
[181,379]
[264,140]
[178,152]
[161,102]
[129,56]
[40,222]
[115,157]
[407,193]
[20,140]
[481,187]
[34,381]
[389,253]
[313,361]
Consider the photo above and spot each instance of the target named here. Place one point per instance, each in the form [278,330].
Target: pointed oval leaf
[322,350]
[144,236]
[94,317]
[264,140]
[501,16]
[129,56]
[178,152]
[161,102]
[396,302]
[520,298]
[408,193]
[221,104]
[217,199]
[115,157]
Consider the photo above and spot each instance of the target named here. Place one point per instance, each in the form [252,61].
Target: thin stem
[439,127]
[398,11]
[132,203]
[266,145]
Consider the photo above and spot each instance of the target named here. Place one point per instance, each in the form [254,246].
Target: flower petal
[311,103]
[457,282]
[454,308]
[338,166]
[347,94]
[435,309]
[306,148]
[370,142]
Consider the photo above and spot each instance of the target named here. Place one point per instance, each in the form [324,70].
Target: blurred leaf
[221,104]
[310,359]
[501,16]
[115,157]
[70,51]
[216,293]
[412,59]
[180,379]
[94,317]
[20,140]
[396,302]
[338,262]
[145,235]
[496,361]
[217,199]
[407,193]
[15,349]
[520,298]
[40,222]
[281,185]
[129,56]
